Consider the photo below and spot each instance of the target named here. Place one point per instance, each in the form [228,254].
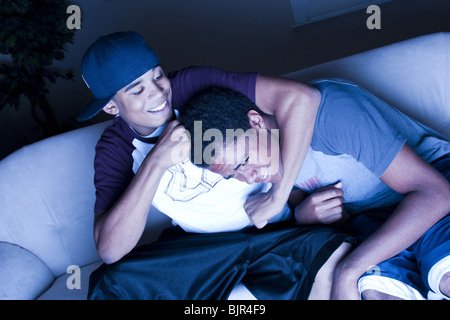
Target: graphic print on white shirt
[182,187]
[185,188]
[199,200]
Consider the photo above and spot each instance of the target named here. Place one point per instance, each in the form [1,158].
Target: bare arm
[117,231]
[294,106]
[426,200]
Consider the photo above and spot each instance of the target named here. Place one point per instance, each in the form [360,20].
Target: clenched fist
[324,206]
[173,145]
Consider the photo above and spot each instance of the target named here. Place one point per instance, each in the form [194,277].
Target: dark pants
[277,262]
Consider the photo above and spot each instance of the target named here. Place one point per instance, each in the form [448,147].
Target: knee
[330,266]
[337,256]
[444,285]
[321,289]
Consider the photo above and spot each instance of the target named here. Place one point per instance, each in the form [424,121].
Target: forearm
[294,107]
[295,139]
[118,230]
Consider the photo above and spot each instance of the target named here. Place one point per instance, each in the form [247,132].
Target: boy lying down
[366,159]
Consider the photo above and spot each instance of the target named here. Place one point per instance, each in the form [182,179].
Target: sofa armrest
[22,274]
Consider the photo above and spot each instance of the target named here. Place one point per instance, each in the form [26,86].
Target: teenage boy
[364,155]
[138,164]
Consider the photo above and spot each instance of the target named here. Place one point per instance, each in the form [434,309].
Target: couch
[47,194]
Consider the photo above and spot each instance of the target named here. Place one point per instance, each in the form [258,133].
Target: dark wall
[242,35]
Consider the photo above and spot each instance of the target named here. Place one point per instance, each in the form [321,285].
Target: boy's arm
[426,200]
[294,106]
[118,230]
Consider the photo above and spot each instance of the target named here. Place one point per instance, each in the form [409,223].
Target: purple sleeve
[113,168]
[187,82]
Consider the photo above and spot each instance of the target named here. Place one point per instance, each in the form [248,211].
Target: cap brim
[93,108]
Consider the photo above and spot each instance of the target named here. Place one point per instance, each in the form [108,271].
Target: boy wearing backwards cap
[135,167]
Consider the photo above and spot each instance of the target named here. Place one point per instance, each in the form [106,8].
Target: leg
[397,278]
[323,281]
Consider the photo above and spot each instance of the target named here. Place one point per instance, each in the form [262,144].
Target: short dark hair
[216,108]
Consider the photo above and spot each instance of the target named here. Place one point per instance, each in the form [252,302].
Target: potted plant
[33,34]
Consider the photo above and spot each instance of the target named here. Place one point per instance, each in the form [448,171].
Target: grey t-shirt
[356,137]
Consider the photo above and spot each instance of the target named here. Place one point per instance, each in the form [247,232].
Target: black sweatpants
[279,261]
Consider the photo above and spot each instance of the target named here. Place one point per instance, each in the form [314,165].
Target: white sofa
[47,192]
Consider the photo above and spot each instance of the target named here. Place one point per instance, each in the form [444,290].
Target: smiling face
[250,159]
[146,103]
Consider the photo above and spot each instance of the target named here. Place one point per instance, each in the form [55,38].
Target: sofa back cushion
[47,198]
[413,76]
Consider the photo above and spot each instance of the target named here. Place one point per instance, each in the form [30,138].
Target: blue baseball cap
[111,63]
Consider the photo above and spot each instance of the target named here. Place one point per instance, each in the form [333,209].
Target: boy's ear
[256,120]
[111,108]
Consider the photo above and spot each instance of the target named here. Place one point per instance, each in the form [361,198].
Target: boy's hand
[173,145]
[261,207]
[324,206]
